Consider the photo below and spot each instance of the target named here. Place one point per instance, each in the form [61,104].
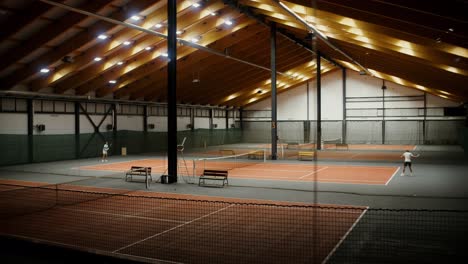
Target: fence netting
[151,228]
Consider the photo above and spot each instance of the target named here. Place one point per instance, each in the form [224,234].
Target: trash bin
[124,151]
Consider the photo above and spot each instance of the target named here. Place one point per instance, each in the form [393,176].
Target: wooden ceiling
[423,45]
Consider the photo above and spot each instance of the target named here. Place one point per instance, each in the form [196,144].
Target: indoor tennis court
[233,131]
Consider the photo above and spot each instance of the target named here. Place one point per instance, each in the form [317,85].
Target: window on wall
[157,111]
[183,111]
[8,105]
[219,113]
[202,112]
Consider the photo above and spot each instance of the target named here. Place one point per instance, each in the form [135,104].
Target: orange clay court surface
[159,223]
[380,175]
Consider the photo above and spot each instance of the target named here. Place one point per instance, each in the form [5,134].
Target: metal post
[424,120]
[30,107]
[114,128]
[192,119]
[383,112]
[319,103]
[274,121]
[77,130]
[227,119]
[307,122]
[343,126]
[171,91]
[210,120]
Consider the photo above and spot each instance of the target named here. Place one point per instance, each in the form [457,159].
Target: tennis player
[408,155]
[105,149]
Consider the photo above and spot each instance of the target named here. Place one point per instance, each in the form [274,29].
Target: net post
[194,168]
[56,195]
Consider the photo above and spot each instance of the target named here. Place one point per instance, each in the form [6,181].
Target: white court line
[344,237]
[161,233]
[308,174]
[247,169]
[122,215]
[393,175]
[337,181]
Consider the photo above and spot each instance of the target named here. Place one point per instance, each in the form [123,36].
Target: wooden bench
[138,171]
[214,175]
[259,154]
[342,145]
[306,154]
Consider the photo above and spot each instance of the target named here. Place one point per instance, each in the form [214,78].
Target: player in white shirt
[105,149]
[408,155]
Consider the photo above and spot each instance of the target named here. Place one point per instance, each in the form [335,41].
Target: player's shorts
[407,164]
[104,152]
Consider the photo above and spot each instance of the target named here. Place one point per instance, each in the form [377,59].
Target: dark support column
[171,91]
[145,128]
[192,119]
[114,129]
[77,130]
[424,120]
[227,119]
[343,127]
[274,121]
[241,125]
[210,120]
[307,122]
[145,119]
[319,103]
[383,114]
[30,107]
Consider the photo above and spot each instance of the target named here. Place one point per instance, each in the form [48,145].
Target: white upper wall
[292,104]
[13,123]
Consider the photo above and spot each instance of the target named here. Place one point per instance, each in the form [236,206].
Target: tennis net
[230,162]
[18,200]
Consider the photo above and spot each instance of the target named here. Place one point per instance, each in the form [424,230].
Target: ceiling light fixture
[136,18]
[148,48]
[158,25]
[119,63]
[213,13]
[112,81]
[103,36]
[179,32]
[228,22]
[45,70]
[196,5]
[164,54]
[97,59]
[127,42]
[195,39]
